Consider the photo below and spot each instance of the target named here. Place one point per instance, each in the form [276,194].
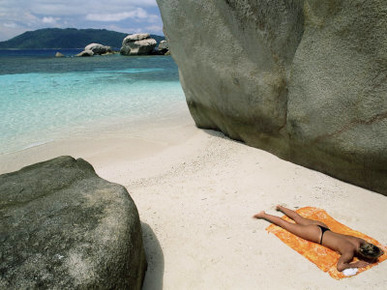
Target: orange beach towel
[323,257]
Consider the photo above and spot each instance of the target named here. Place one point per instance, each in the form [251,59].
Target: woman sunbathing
[318,232]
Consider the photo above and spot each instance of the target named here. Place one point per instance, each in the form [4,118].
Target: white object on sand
[350,271]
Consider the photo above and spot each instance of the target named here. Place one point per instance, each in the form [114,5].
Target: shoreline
[196,191]
[102,142]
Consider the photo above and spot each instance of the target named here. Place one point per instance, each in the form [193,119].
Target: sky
[128,16]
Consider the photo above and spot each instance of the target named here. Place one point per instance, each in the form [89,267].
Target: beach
[196,191]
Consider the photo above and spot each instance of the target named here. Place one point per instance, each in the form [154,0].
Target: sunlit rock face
[305,80]
[138,44]
[98,48]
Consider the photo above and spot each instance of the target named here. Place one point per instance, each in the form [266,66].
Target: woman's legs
[308,232]
[297,218]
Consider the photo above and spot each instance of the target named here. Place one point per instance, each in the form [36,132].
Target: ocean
[44,98]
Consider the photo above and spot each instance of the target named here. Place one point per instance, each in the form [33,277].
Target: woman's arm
[345,262]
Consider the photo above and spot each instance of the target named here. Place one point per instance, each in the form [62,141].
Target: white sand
[196,192]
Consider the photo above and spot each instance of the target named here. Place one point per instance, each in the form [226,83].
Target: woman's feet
[260,215]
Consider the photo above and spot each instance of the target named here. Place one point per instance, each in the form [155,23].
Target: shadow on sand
[154,255]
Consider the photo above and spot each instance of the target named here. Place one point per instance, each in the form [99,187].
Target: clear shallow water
[43,98]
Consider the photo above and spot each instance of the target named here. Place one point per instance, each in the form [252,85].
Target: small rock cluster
[134,44]
[95,49]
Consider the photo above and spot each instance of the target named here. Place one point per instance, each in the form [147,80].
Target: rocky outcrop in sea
[305,80]
[95,49]
[85,53]
[58,54]
[63,227]
[98,48]
[163,48]
[138,44]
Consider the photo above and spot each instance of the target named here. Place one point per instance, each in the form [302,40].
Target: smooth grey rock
[98,48]
[163,47]
[138,44]
[305,80]
[63,227]
[138,36]
[85,53]
[58,54]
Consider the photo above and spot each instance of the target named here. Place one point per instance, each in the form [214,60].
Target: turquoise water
[43,98]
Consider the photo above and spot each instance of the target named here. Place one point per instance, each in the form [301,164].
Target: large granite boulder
[98,48]
[95,49]
[305,80]
[138,44]
[85,53]
[163,47]
[63,227]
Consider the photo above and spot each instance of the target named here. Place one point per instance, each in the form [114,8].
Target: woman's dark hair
[369,250]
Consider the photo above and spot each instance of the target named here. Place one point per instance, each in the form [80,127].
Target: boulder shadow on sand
[154,276]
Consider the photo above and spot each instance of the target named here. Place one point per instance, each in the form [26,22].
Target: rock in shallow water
[305,80]
[85,53]
[138,44]
[63,227]
[58,54]
[98,48]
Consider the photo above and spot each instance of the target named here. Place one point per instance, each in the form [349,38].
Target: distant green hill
[67,38]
